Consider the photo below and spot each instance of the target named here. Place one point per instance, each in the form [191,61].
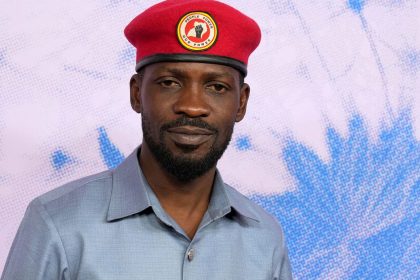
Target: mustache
[184,121]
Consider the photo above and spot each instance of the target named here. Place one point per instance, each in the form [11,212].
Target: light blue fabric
[112,226]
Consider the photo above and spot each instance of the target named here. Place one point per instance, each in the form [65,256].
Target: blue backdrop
[330,144]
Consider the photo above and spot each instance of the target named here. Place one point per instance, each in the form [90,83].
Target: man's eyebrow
[183,73]
[219,75]
[175,71]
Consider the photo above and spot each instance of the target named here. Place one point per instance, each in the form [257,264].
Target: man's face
[188,113]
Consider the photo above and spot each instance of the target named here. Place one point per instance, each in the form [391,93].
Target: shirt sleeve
[282,269]
[37,252]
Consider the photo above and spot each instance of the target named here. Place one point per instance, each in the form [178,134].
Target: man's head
[190,86]
[188,112]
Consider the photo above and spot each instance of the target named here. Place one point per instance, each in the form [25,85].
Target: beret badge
[197,31]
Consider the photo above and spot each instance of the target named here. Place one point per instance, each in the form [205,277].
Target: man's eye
[218,88]
[169,83]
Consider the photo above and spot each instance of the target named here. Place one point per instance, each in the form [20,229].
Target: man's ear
[135,94]
[243,101]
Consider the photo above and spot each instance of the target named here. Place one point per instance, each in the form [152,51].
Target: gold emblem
[197,31]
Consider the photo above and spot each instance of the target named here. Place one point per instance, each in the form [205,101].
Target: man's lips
[189,135]
[191,130]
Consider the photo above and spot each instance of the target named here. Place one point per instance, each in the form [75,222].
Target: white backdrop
[330,144]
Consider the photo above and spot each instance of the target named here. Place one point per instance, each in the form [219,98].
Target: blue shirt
[112,226]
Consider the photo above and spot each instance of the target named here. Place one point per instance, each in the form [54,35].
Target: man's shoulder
[254,211]
[84,193]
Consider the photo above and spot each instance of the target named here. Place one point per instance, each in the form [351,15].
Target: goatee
[185,168]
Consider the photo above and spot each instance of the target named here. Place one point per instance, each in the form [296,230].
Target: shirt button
[190,254]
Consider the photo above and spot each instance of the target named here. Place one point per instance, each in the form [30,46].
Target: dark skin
[163,93]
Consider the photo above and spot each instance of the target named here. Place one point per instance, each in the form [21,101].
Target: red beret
[193,31]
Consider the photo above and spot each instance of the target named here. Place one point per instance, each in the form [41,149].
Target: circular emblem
[197,31]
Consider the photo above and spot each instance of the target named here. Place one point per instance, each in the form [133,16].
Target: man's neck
[185,202]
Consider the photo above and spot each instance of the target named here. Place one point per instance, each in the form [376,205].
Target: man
[165,212]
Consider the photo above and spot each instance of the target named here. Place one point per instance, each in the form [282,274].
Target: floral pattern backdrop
[330,144]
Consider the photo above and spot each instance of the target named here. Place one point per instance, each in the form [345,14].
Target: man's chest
[150,250]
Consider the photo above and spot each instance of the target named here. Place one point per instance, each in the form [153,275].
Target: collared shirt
[112,226]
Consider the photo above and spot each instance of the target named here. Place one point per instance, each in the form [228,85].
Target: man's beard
[185,168]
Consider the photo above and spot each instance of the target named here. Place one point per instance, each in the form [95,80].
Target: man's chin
[186,163]
[192,159]
[187,168]
[189,161]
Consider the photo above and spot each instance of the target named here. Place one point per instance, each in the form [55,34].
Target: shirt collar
[223,199]
[130,196]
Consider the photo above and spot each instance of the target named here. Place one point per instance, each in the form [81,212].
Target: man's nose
[192,102]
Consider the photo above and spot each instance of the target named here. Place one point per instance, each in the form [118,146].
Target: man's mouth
[189,135]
